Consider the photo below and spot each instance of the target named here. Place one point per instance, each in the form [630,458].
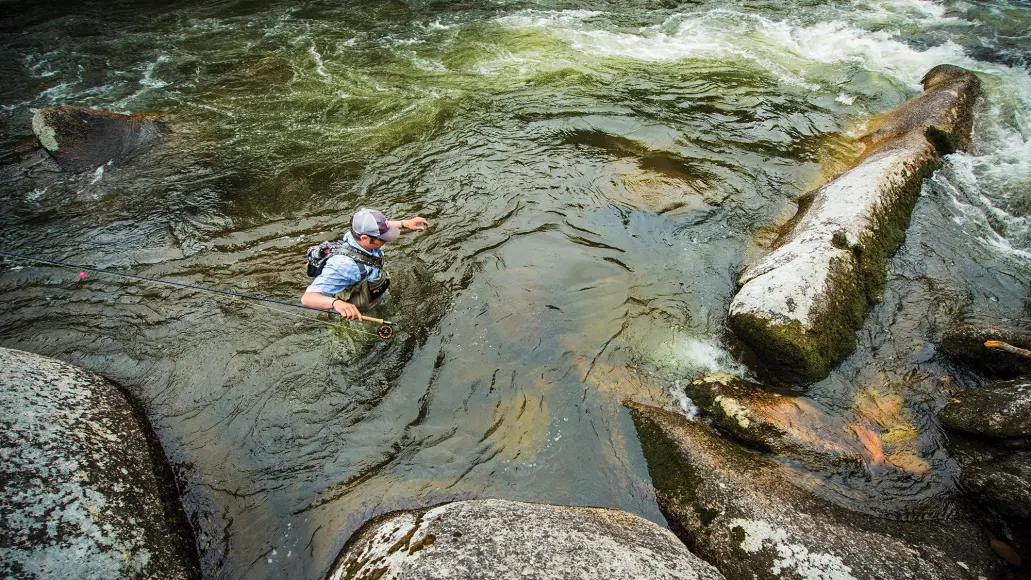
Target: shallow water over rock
[594,175]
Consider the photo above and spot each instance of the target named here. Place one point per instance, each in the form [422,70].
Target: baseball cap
[373,223]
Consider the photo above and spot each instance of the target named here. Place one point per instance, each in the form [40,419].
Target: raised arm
[417,223]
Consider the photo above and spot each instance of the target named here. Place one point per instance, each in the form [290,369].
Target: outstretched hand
[417,223]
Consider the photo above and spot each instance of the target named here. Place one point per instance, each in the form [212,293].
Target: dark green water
[594,175]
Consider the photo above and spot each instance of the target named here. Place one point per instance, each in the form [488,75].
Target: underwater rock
[506,539]
[965,343]
[86,490]
[81,139]
[1000,411]
[800,305]
[788,426]
[736,509]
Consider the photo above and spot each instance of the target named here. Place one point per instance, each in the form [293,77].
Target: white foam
[786,49]
[691,356]
[320,66]
[148,79]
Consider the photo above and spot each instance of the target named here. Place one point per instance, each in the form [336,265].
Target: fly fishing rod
[385,330]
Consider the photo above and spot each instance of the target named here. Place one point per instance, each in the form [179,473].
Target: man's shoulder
[339,261]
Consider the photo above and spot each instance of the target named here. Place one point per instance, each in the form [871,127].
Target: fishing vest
[368,291]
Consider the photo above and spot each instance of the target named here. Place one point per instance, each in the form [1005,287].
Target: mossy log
[800,305]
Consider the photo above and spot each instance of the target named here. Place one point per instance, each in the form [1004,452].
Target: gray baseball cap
[373,223]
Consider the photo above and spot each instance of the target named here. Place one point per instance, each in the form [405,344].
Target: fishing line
[239,295]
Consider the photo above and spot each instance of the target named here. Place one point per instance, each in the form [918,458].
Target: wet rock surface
[788,426]
[999,481]
[82,139]
[86,490]
[965,343]
[800,305]
[1001,411]
[506,539]
[1003,483]
[739,511]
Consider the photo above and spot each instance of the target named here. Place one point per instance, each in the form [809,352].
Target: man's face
[370,243]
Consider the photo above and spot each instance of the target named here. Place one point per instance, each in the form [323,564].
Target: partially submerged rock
[86,491]
[81,139]
[1002,483]
[965,343]
[506,539]
[788,426]
[736,509]
[1001,411]
[800,305]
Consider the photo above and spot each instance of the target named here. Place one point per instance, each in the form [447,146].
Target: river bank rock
[965,343]
[506,539]
[82,139]
[800,305]
[736,509]
[86,490]
[1001,411]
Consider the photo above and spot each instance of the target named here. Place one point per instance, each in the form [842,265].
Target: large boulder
[1001,411]
[740,511]
[81,139]
[800,305]
[965,343]
[505,539]
[86,491]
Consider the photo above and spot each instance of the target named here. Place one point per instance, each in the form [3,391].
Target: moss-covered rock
[738,510]
[81,139]
[965,343]
[506,539]
[86,490]
[799,306]
[1000,411]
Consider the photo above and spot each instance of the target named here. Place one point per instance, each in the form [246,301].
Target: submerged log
[737,510]
[81,139]
[800,305]
[506,539]
[87,492]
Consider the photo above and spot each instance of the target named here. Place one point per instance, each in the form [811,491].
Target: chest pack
[318,254]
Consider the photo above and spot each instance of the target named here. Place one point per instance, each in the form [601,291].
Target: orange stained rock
[882,410]
[908,461]
[871,443]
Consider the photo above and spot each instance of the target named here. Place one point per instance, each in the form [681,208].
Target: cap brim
[390,235]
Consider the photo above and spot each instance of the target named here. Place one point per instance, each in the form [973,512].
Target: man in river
[352,279]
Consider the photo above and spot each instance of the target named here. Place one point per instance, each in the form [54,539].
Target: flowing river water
[596,175]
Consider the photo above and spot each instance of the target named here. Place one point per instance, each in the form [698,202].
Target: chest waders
[366,294]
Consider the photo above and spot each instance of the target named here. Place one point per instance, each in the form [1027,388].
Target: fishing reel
[385,331]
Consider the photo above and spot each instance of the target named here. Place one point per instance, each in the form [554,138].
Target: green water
[594,175]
